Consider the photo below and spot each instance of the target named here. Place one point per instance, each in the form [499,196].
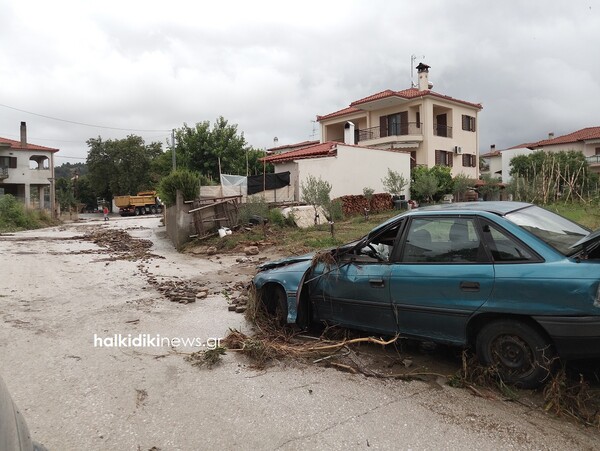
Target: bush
[14,216]
[186,181]
[254,206]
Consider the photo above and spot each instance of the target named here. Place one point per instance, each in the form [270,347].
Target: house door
[442,125]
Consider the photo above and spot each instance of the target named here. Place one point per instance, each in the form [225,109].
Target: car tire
[276,304]
[153,210]
[522,356]
[136,211]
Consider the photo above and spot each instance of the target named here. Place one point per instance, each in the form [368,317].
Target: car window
[443,240]
[380,248]
[505,248]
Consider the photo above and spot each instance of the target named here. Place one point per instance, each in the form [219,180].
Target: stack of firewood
[356,204]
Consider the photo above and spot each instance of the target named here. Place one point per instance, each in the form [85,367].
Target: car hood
[286,261]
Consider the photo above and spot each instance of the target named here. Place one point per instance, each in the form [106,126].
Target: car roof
[497,207]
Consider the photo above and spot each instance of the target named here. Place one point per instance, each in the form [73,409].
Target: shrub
[14,216]
[254,206]
[184,180]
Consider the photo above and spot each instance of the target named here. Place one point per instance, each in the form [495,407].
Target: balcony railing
[410,128]
[442,130]
[594,159]
[3,173]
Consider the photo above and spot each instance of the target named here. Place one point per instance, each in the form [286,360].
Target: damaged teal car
[515,282]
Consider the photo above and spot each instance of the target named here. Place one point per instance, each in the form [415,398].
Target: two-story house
[436,129]
[27,171]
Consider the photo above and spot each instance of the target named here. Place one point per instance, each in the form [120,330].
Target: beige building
[27,171]
[435,129]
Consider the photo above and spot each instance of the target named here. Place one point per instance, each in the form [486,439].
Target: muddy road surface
[74,300]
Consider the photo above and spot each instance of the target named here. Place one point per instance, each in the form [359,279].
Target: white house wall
[353,169]
[506,157]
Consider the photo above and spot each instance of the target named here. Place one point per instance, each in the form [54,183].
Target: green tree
[316,192]
[423,190]
[425,187]
[84,193]
[546,176]
[64,194]
[394,182]
[186,181]
[201,148]
[461,184]
[121,166]
[491,187]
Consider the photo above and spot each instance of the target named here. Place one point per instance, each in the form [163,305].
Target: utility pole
[173,149]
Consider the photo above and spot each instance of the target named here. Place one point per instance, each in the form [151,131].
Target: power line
[82,123]
[74,158]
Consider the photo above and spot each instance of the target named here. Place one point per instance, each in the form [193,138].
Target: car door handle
[469,286]
[378,283]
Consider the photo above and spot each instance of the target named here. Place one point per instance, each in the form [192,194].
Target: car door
[355,291]
[441,275]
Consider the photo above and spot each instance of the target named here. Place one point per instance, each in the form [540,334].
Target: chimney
[349,133]
[23,134]
[423,71]
[551,135]
[492,147]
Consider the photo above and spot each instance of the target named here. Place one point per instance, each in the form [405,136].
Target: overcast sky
[271,66]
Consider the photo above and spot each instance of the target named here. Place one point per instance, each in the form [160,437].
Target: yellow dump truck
[145,202]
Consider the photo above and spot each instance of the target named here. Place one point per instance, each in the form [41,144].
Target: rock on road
[59,291]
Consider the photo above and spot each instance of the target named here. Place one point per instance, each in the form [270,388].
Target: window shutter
[465,122]
[438,157]
[466,160]
[12,162]
[418,119]
[450,158]
[383,131]
[472,128]
[474,161]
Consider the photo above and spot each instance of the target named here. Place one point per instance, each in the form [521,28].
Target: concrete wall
[178,222]
[353,169]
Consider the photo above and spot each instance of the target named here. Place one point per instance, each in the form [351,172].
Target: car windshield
[557,231]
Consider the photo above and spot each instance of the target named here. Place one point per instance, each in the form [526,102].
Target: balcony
[442,130]
[409,129]
[3,173]
[593,160]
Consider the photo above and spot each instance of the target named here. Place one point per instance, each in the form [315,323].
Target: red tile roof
[16,145]
[580,135]
[409,93]
[294,146]
[493,153]
[319,150]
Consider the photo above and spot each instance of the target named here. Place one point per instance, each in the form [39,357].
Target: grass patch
[584,214]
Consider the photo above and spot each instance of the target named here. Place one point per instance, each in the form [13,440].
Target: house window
[597,150]
[443,158]
[8,162]
[468,123]
[418,119]
[469,161]
[393,124]
[413,159]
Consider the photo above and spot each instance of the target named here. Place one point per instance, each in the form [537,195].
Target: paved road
[57,294]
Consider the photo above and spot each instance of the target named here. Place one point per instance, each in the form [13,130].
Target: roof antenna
[413,58]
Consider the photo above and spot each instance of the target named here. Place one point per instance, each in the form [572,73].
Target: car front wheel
[276,304]
[520,354]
